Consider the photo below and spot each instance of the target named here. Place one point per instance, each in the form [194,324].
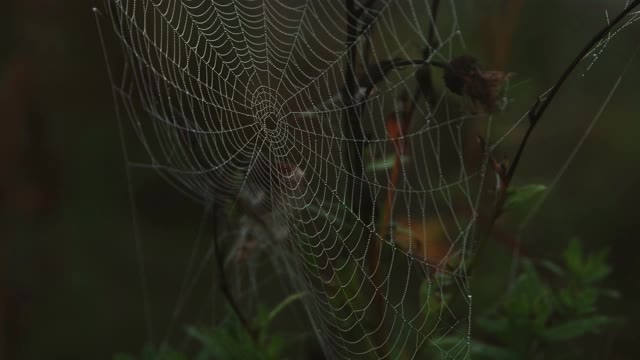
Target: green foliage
[548,305]
[519,197]
[231,341]
[541,314]
[582,276]
[385,163]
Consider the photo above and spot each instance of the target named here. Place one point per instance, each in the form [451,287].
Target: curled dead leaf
[465,77]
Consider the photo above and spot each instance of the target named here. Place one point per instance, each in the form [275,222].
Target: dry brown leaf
[465,77]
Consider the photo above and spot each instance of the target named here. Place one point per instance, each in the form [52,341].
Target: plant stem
[406,117]
[222,277]
[362,203]
[432,43]
[538,109]
[535,113]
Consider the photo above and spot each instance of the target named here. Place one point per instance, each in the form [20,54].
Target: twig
[535,113]
[224,282]
[541,105]
[369,4]
[435,7]
[379,70]
[359,12]
[428,89]
[353,130]
[352,114]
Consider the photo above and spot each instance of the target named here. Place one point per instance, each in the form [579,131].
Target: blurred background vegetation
[69,276]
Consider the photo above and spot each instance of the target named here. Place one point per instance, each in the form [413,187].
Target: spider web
[243,104]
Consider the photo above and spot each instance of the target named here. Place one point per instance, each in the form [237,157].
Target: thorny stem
[540,106]
[390,65]
[386,66]
[535,113]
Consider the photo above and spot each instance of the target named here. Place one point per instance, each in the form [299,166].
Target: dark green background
[68,261]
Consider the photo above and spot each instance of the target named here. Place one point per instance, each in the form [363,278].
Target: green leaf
[552,267]
[225,343]
[575,328]
[585,269]
[520,196]
[573,256]
[275,347]
[386,162]
[530,300]
[281,306]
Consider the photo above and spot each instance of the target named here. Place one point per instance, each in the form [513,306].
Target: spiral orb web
[373,219]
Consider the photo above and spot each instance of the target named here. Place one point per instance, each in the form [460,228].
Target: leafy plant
[231,341]
[540,314]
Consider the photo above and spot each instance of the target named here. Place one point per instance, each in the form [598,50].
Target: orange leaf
[423,238]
